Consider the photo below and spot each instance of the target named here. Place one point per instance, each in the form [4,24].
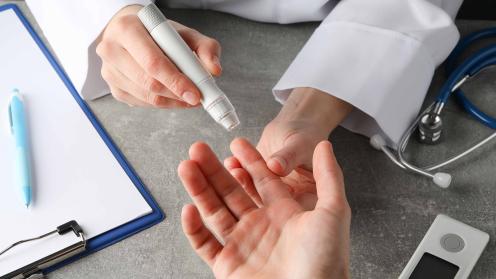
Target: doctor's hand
[140,74]
[280,239]
[287,142]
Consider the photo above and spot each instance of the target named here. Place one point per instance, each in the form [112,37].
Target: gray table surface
[392,210]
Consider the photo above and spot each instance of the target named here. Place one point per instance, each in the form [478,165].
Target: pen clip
[15,94]
[10,120]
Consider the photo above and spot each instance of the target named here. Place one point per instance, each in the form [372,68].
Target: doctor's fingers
[126,91]
[133,37]
[124,97]
[294,153]
[117,57]
[207,49]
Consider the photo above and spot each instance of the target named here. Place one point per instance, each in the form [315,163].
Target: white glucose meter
[449,250]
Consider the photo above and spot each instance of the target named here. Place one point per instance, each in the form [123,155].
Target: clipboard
[116,234]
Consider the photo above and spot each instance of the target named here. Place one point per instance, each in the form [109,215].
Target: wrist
[316,107]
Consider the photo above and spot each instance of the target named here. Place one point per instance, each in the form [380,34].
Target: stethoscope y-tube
[429,122]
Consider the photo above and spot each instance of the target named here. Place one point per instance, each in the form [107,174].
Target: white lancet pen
[214,101]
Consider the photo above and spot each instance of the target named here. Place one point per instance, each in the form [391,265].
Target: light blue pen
[19,129]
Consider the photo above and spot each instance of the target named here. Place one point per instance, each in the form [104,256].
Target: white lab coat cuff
[384,74]
[72,28]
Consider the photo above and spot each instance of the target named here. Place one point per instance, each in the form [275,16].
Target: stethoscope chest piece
[430,128]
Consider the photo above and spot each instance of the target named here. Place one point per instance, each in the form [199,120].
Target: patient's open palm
[277,240]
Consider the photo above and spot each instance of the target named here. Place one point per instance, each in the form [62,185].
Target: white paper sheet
[75,174]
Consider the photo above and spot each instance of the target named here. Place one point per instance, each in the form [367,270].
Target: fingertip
[188,106]
[182,167]
[325,144]
[215,60]
[215,68]
[197,149]
[244,151]
[187,211]
[329,177]
[179,167]
[236,144]
[191,97]
[216,71]
[227,163]
[231,163]
[185,170]
[278,166]
[322,152]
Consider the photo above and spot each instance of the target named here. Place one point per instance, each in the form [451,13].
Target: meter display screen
[432,267]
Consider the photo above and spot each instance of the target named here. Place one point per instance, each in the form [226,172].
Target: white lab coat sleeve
[72,29]
[379,56]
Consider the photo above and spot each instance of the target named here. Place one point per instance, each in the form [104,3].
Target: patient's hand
[288,141]
[278,240]
[139,73]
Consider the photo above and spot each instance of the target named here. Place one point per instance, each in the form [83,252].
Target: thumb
[329,178]
[292,155]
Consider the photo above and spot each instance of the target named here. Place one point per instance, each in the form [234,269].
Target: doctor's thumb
[287,159]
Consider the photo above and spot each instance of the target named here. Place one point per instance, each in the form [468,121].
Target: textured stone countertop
[392,209]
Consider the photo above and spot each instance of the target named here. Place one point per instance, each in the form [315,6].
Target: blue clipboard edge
[126,230]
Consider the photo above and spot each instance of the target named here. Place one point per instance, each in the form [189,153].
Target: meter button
[452,243]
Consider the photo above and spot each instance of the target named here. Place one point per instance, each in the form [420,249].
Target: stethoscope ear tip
[442,179]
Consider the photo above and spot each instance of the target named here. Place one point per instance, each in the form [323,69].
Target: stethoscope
[429,122]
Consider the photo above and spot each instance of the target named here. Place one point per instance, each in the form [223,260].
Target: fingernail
[216,61]
[191,98]
[281,162]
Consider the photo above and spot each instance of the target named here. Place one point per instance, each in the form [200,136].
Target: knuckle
[177,82]
[106,74]
[149,96]
[118,95]
[151,84]
[122,23]
[155,101]
[156,86]
[152,98]
[185,32]
[154,64]
[265,181]
[212,43]
[268,129]
[102,49]
[288,154]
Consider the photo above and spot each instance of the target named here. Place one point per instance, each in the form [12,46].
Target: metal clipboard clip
[34,270]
